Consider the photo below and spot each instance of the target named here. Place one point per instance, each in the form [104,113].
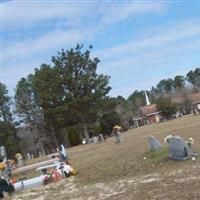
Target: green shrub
[74,136]
[154,157]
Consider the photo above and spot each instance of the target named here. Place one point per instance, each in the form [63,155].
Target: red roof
[152,109]
[149,110]
[194,98]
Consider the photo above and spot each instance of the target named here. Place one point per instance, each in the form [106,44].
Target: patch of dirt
[177,185]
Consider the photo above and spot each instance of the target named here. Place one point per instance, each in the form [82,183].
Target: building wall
[157,117]
[154,118]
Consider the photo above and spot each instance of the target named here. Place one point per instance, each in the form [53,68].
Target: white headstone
[2,151]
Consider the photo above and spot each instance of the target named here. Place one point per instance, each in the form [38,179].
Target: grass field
[119,171]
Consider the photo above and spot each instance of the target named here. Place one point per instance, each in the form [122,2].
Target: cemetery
[100,100]
[148,159]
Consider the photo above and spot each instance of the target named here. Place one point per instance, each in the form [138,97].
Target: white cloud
[147,57]
[83,22]
[132,65]
[23,13]
[126,88]
[170,34]
[54,40]
[17,14]
[120,12]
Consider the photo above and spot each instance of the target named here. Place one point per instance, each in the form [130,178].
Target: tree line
[171,87]
[68,100]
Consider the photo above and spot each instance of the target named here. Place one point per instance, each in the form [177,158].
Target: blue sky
[138,42]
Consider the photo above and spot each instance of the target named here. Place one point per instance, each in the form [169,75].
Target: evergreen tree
[137,99]
[8,137]
[179,82]
[31,114]
[71,92]
[5,114]
[165,86]
[193,77]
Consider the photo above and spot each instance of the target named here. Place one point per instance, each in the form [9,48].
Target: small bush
[157,156]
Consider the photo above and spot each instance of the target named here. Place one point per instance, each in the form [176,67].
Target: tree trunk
[85,132]
[53,137]
[67,139]
[64,137]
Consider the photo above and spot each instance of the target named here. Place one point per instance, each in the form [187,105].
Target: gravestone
[101,136]
[154,144]
[95,139]
[2,151]
[28,155]
[118,137]
[179,149]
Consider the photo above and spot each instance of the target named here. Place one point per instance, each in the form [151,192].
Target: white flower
[191,140]
[166,138]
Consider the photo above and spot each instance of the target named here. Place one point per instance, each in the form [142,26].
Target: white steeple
[147,99]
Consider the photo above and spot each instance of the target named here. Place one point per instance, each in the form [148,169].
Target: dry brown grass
[118,171]
[109,161]
[36,160]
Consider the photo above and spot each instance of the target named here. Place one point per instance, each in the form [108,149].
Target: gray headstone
[102,138]
[118,137]
[28,156]
[179,149]
[2,151]
[95,139]
[20,162]
[154,143]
